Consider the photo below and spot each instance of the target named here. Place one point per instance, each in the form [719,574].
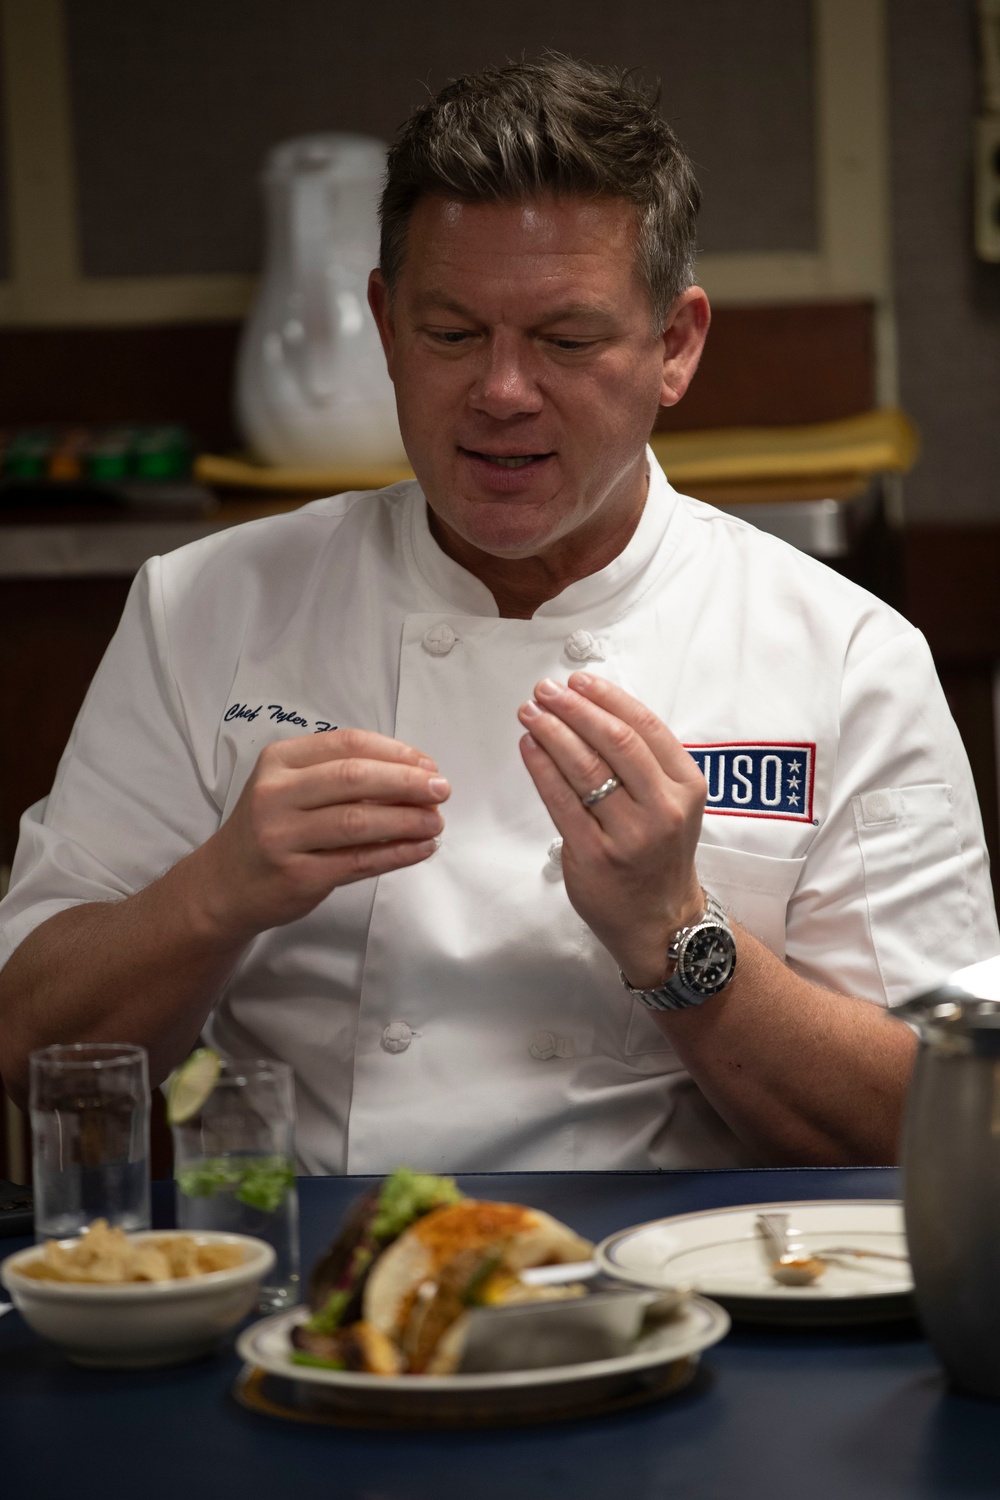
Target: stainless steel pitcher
[951,1175]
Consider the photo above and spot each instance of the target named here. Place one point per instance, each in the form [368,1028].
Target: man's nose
[505,385]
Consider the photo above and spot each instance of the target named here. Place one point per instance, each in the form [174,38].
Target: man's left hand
[628,860]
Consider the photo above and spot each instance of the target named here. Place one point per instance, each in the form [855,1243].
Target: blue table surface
[782,1414]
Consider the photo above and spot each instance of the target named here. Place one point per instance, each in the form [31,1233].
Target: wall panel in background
[155,120]
[175,103]
[762,366]
[71,621]
[947,302]
[4,250]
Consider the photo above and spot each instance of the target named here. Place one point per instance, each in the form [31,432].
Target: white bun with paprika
[456,1257]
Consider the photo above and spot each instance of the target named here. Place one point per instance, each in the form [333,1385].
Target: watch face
[708,959]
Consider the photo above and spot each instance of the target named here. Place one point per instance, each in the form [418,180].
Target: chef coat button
[543,1045]
[552,869]
[439,640]
[582,646]
[396,1037]
[877,808]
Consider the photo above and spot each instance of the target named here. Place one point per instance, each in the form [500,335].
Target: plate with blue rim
[662,1361]
[720,1253]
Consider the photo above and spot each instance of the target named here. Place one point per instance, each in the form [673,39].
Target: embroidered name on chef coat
[764,780]
[275,713]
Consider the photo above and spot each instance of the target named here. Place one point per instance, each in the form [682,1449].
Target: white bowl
[141,1323]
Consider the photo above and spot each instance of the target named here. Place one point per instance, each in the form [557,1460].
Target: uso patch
[758,780]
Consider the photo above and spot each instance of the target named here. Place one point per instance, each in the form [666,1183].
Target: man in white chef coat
[540,816]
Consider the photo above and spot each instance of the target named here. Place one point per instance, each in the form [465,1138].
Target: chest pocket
[916,884]
[755,889]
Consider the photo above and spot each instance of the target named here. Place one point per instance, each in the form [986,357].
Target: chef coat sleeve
[129,799]
[895,893]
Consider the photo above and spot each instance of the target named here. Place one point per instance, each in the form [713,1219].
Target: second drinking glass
[234,1166]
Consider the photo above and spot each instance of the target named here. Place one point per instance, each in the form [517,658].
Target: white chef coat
[459,1015]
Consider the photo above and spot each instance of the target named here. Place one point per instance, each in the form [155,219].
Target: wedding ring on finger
[600,792]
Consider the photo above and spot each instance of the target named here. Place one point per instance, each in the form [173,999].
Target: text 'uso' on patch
[758,780]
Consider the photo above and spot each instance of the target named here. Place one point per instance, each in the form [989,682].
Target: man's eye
[570,344]
[450,335]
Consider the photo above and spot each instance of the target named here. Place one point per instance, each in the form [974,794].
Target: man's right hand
[319,811]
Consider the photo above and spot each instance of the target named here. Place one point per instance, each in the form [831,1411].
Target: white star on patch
[795,766]
[793,798]
[794,781]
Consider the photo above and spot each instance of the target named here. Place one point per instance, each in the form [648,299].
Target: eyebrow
[441,301]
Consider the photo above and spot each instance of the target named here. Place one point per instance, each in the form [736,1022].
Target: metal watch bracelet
[675,993]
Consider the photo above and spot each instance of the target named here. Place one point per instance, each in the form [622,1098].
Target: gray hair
[551,127]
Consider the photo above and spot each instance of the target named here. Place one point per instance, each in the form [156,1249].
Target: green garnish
[479,1278]
[300,1358]
[190,1085]
[215,1174]
[327,1320]
[406,1196]
[266,1185]
[260,1182]
[361,1259]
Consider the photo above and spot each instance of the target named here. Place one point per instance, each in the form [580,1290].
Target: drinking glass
[90,1137]
[234,1167]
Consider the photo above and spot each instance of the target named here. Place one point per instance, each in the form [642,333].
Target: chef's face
[527,369]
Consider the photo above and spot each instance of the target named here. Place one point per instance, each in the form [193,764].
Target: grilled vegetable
[376,1219]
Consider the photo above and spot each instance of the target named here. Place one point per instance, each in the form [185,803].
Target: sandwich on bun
[393,1293]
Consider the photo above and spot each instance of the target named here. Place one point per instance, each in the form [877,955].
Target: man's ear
[381,306]
[684,331]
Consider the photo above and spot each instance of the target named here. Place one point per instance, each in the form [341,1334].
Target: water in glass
[90,1138]
[234,1167]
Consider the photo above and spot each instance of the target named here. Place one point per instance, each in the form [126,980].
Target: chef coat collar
[460,590]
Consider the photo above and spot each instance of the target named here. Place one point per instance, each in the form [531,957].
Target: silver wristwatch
[704,961]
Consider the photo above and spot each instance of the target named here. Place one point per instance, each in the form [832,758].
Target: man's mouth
[508,461]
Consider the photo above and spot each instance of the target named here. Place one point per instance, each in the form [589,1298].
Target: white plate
[721,1254]
[662,1360]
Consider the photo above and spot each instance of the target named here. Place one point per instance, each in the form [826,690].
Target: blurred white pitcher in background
[312,388]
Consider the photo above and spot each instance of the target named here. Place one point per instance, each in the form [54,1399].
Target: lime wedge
[190,1084]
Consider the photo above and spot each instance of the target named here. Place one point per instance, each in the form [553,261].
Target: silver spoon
[794,1268]
[830,1252]
[787,1267]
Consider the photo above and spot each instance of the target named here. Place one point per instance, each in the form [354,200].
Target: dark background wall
[947,302]
[173,105]
[176,101]
[4,228]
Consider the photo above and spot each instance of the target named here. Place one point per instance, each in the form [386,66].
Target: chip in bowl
[159,1298]
[107,1257]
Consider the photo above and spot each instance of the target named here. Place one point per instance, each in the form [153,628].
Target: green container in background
[26,455]
[108,455]
[161,453]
